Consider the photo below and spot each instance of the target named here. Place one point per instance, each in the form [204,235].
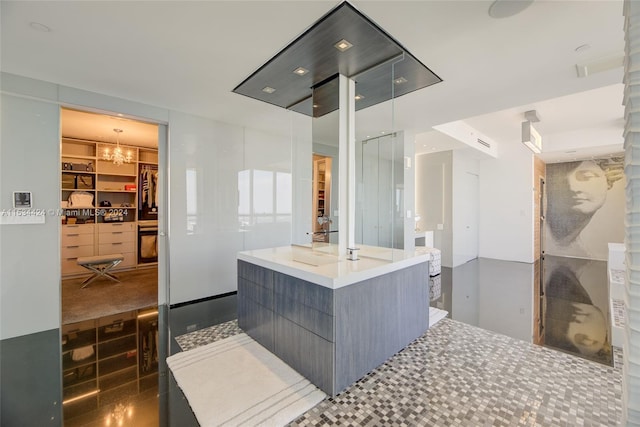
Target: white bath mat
[237,382]
[436,315]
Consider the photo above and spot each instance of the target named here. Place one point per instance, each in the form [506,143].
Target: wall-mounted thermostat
[22,200]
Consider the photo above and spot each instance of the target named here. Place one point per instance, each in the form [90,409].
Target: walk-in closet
[109,192]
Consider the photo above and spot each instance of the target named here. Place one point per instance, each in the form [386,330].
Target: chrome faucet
[325,222]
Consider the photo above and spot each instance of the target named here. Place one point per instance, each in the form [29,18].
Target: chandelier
[120,415]
[117,155]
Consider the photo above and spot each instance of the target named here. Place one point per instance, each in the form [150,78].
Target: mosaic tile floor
[457,374]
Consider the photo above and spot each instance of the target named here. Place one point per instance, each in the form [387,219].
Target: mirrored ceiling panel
[346,42]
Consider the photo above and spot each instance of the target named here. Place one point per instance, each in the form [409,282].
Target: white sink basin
[307,256]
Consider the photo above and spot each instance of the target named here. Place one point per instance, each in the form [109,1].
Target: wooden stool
[100,265]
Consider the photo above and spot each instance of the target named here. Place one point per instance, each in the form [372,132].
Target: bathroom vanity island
[330,318]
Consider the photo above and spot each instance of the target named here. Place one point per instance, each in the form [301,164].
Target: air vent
[486,144]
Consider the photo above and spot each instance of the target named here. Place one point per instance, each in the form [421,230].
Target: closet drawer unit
[116,237]
[77,235]
[73,229]
[121,226]
[129,260]
[77,251]
[70,266]
[76,239]
[116,248]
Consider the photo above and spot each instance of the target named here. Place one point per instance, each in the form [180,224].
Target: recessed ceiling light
[39,27]
[383,132]
[400,80]
[300,71]
[316,105]
[359,97]
[343,45]
[268,89]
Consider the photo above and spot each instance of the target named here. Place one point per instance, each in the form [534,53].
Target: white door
[468,205]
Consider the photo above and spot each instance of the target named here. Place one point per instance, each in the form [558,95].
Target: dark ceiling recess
[375,62]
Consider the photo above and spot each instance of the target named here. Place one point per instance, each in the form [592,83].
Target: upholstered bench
[100,265]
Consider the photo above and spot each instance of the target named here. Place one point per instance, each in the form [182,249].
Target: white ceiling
[188,56]
[100,127]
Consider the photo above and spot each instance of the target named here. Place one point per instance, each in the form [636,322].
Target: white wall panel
[267,158]
[205,158]
[29,253]
[230,190]
[506,204]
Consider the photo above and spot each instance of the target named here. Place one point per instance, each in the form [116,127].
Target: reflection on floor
[110,368]
[576,318]
[103,297]
[493,294]
[109,350]
[139,411]
[499,296]
[457,374]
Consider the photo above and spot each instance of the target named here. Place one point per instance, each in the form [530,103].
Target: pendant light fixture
[117,156]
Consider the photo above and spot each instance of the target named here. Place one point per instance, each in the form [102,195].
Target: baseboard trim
[196,301]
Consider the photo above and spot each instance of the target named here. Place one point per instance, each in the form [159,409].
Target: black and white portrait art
[585,207]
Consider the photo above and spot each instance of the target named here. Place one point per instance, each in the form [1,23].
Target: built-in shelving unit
[321,196]
[100,202]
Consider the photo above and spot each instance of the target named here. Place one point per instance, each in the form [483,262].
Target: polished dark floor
[491,294]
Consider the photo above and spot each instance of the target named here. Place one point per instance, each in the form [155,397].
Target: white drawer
[77,251]
[77,229]
[116,226]
[116,248]
[116,237]
[76,239]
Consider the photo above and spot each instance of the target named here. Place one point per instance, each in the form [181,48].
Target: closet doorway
[110,204]
[322,198]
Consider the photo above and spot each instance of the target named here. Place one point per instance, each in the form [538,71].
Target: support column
[631,351]
[347,165]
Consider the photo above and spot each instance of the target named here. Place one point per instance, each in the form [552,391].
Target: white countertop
[329,270]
